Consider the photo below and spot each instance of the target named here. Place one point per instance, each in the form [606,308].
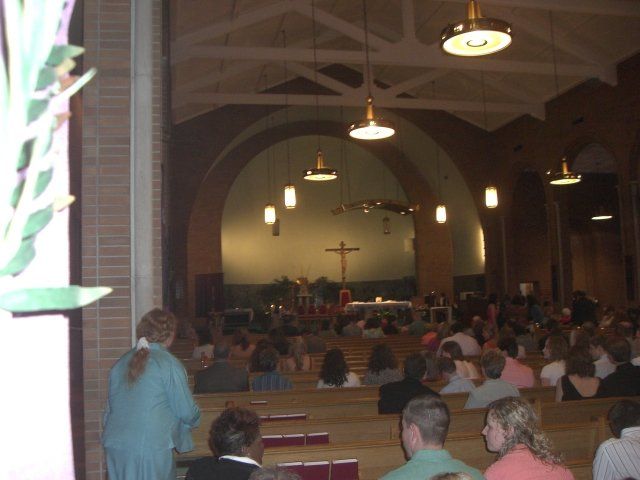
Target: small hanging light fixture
[269,214]
[441,209]
[289,188]
[491,196]
[269,208]
[491,191]
[476,35]
[565,176]
[320,173]
[386,226]
[370,127]
[601,215]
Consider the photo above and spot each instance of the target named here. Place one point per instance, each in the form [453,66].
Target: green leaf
[61,52]
[36,108]
[63,298]
[46,78]
[21,260]
[42,182]
[37,221]
[25,154]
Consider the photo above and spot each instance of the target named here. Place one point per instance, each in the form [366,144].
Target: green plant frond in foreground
[34,80]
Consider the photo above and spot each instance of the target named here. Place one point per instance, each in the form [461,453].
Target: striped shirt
[619,458]
[271,381]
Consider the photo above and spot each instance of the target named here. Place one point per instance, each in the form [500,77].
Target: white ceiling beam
[323,80]
[222,28]
[408,20]
[208,79]
[303,7]
[408,57]
[414,82]
[356,101]
[622,8]
[517,93]
[563,43]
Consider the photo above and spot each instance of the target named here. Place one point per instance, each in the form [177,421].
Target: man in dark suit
[221,376]
[395,395]
[236,440]
[625,380]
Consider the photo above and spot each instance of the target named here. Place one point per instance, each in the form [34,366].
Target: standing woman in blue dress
[150,410]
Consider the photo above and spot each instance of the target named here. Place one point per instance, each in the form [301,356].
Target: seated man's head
[618,349]
[415,366]
[447,367]
[509,346]
[597,346]
[425,424]
[237,432]
[492,363]
[221,351]
[624,414]
[268,360]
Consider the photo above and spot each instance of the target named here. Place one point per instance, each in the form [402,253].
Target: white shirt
[604,367]
[636,362]
[618,458]
[466,369]
[553,371]
[352,381]
[469,345]
[248,460]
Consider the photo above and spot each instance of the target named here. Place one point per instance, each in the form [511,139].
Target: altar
[366,308]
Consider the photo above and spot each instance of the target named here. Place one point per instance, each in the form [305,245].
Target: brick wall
[106,248]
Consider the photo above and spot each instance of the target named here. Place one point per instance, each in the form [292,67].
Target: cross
[342,251]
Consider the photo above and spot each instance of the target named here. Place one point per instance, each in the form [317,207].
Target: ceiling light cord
[286,107]
[553,53]
[315,68]
[366,46]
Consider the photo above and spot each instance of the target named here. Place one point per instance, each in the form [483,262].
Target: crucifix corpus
[343,251]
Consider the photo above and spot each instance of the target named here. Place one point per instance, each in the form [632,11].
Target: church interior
[204,110]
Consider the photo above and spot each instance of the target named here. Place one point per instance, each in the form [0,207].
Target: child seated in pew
[455,383]
[524,451]
[335,371]
[383,366]
[271,378]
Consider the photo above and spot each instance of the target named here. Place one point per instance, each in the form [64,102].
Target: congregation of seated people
[490,359]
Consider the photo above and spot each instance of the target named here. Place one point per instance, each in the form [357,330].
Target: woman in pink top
[524,451]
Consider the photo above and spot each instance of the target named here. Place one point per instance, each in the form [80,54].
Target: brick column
[121,122]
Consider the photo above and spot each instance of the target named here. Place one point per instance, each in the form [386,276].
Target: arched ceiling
[222,50]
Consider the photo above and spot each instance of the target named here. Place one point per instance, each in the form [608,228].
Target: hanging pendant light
[491,196]
[476,35]
[320,173]
[370,127]
[386,226]
[269,214]
[289,188]
[290,196]
[565,176]
[441,214]
[491,191]
[601,215]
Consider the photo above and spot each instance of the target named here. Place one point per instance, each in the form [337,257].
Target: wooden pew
[377,457]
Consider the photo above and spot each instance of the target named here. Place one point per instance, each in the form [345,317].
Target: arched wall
[432,258]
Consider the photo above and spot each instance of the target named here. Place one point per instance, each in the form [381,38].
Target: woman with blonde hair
[150,410]
[298,359]
[524,451]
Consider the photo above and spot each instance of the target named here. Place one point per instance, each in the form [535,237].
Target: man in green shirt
[425,424]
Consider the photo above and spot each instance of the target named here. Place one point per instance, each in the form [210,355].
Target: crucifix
[343,251]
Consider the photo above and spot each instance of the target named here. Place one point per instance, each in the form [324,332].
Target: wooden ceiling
[223,51]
